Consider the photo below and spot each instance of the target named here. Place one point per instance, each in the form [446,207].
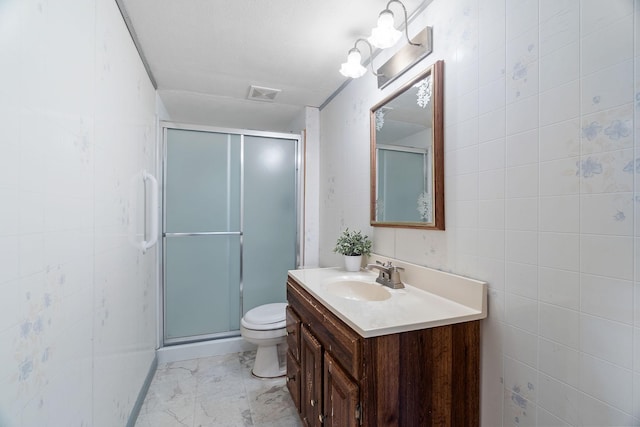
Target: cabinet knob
[312,402]
[321,418]
[291,378]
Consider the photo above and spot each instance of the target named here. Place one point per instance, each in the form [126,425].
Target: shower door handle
[151,212]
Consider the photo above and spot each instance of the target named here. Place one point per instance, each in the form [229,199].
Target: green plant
[353,243]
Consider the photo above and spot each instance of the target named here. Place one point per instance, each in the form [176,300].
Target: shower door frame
[165,126]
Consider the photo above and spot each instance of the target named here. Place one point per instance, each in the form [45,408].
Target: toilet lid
[266,314]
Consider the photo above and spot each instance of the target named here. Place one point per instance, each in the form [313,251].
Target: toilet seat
[265,317]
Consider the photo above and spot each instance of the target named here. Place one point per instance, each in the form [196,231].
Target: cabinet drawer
[336,337]
[293,333]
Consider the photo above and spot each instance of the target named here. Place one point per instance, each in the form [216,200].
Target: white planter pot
[352,262]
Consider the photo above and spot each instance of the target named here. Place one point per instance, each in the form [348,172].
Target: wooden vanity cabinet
[428,377]
[326,395]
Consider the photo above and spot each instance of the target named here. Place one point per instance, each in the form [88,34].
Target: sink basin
[358,291]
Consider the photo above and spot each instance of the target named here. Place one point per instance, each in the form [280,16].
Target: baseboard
[197,350]
[133,416]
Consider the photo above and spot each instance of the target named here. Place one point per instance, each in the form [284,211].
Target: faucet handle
[394,277]
[384,264]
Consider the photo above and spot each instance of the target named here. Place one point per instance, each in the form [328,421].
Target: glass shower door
[230,230]
[269,220]
[203,235]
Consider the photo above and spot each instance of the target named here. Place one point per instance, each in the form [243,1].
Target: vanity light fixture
[353,67]
[385,35]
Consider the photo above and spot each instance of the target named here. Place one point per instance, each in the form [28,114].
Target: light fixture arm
[370,52]
[406,23]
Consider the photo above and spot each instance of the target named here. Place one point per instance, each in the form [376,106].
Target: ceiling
[205,54]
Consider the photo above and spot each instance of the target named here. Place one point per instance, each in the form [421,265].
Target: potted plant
[353,244]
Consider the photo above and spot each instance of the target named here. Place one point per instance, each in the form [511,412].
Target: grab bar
[151,213]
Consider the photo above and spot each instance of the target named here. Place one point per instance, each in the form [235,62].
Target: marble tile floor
[216,391]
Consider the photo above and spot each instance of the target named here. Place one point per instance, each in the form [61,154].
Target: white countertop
[408,309]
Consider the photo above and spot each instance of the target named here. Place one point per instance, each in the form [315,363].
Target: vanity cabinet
[336,377]
[324,393]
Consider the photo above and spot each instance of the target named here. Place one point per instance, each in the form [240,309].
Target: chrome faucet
[389,274]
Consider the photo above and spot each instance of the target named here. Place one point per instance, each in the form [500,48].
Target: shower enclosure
[230,232]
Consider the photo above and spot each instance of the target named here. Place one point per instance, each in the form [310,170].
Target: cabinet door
[293,333]
[311,378]
[341,396]
[293,379]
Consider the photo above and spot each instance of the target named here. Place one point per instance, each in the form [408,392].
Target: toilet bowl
[265,326]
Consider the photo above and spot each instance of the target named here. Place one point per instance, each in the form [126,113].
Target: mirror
[407,170]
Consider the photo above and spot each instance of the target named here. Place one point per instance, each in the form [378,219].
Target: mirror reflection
[406,155]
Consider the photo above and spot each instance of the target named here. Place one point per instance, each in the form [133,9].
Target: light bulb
[385,19]
[353,68]
[354,58]
[384,35]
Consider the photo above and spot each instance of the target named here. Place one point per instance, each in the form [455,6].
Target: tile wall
[77,299]
[542,165]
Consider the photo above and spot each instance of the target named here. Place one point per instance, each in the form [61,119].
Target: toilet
[265,326]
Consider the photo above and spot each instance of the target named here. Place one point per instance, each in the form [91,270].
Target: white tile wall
[543,189]
[607,298]
[559,287]
[521,345]
[522,279]
[77,312]
[559,362]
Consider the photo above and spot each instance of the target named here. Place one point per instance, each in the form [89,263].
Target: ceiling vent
[265,94]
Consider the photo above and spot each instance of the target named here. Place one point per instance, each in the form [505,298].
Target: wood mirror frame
[432,196]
